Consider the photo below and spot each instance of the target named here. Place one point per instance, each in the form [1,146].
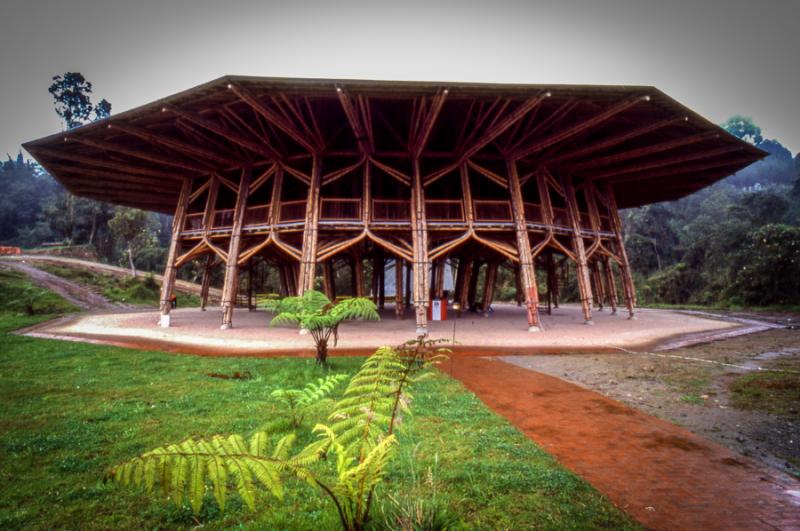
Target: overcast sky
[719,58]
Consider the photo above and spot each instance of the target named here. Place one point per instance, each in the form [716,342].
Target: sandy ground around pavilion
[505,330]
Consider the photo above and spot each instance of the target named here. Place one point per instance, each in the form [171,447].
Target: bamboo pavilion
[410,178]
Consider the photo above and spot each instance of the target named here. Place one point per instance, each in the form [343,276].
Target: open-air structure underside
[309,175]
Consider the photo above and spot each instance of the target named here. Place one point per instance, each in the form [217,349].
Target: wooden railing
[293,211]
[391,210]
[194,221]
[560,217]
[444,210]
[223,219]
[533,213]
[490,210]
[338,209]
[256,215]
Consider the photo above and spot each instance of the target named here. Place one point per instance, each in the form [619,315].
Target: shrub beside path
[661,474]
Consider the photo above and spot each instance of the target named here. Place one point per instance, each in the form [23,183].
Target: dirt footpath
[80,296]
[692,393]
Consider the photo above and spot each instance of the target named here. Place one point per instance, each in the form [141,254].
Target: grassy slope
[141,290]
[72,410]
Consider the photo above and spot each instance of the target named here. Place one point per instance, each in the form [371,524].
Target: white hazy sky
[719,58]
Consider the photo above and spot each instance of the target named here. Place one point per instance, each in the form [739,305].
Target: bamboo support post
[611,286]
[598,289]
[308,260]
[231,284]
[526,263]
[584,281]
[488,287]
[624,266]
[398,288]
[419,238]
[171,270]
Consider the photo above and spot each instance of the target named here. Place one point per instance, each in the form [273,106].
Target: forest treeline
[736,242]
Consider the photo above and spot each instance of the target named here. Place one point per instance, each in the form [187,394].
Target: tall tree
[71,94]
[133,229]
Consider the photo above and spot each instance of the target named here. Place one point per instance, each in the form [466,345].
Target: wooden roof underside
[649,146]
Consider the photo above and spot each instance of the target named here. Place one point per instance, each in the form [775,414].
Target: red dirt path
[661,474]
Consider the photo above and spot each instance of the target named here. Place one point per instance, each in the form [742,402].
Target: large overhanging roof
[647,145]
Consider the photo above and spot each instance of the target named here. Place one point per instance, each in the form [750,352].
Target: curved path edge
[661,474]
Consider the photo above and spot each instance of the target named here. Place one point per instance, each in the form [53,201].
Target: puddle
[755,364]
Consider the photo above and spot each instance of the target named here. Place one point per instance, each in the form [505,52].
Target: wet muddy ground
[681,386]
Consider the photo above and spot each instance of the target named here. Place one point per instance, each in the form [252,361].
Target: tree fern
[359,442]
[313,311]
[298,401]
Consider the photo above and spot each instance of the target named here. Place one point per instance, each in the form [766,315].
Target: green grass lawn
[142,290]
[70,411]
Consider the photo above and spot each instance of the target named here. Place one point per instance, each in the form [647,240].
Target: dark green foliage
[356,446]
[767,267]
[70,92]
[709,248]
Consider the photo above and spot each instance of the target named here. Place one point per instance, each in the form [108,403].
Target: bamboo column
[205,284]
[472,291]
[421,265]
[624,266]
[466,279]
[584,282]
[381,283]
[398,288]
[526,263]
[251,307]
[440,278]
[599,289]
[611,286]
[308,261]
[459,284]
[358,275]
[178,222]
[328,280]
[488,287]
[231,285]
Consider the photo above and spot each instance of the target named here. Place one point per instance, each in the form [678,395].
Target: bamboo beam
[231,285]
[420,140]
[260,148]
[93,162]
[168,282]
[669,161]
[681,170]
[173,143]
[489,135]
[584,282]
[624,266]
[143,155]
[560,136]
[278,121]
[614,140]
[643,151]
[527,267]
[308,260]
[154,183]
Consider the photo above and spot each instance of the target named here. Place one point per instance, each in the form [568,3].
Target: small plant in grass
[299,401]
[313,311]
[345,463]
